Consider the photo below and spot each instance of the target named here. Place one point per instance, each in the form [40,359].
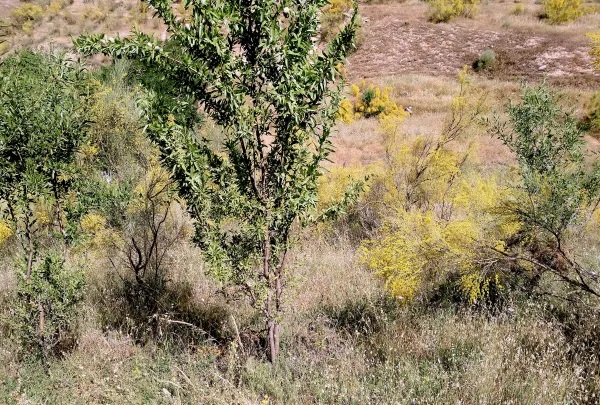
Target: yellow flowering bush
[115,130]
[441,212]
[445,10]
[44,212]
[436,230]
[368,101]
[563,11]
[337,180]
[332,18]
[5,232]
[93,223]
[25,15]
[154,189]
[595,51]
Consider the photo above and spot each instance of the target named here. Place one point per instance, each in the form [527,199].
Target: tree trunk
[270,322]
[273,339]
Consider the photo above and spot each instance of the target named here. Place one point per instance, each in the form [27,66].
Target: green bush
[46,306]
[558,188]
[485,61]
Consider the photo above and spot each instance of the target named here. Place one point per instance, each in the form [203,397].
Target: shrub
[40,97]
[562,11]
[485,61]
[438,211]
[369,101]
[141,251]
[42,125]
[559,185]
[342,207]
[93,13]
[55,7]
[332,18]
[595,50]
[45,311]
[25,15]
[518,9]
[445,10]
[247,192]
[591,121]
[115,128]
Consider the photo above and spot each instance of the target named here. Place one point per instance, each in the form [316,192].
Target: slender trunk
[41,337]
[272,328]
[275,291]
[273,337]
[30,247]
[29,258]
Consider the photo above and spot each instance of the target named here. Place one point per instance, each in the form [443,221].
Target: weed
[486,61]
[519,9]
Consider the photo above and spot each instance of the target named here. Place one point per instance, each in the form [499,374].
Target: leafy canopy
[256,69]
[550,150]
[42,124]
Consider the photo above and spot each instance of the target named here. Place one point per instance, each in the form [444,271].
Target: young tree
[558,187]
[256,69]
[42,125]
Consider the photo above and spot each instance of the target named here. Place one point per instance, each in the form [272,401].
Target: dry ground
[399,39]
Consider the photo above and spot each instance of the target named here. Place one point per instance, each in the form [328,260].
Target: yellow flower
[5,232]
[93,223]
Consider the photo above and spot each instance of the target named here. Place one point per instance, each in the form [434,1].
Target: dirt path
[398,39]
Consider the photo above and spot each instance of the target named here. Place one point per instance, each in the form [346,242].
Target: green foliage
[46,306]
[445,10]
[557,186]
[42,125]
[550,150]
[485,61]
[257,73]
[563,11]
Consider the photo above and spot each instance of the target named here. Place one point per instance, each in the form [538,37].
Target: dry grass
[430,98]
[342,344]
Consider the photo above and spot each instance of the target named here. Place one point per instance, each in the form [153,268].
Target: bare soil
[399,39]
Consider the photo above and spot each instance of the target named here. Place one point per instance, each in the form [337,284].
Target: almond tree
[256,69]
